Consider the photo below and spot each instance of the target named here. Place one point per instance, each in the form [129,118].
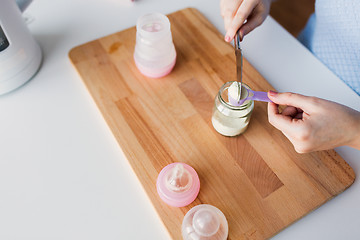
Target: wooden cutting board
[257,179]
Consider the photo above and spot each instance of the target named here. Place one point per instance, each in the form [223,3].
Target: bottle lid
[153,25]
[178,184]
[204,222]
[154,54]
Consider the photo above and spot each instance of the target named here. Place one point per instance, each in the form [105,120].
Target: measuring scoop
[236,99]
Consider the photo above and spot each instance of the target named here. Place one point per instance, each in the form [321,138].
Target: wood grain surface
[256,179]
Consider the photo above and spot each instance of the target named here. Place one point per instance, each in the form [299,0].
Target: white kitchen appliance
[20,55]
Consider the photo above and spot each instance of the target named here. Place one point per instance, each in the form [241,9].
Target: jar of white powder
[231,119]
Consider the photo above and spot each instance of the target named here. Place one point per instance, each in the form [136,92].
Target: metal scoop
[239,60]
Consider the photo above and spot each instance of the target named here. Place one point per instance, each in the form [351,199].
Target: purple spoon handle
[259,96]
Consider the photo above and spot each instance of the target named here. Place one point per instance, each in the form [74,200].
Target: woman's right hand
[235,12]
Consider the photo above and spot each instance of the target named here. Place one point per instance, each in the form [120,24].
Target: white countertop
[62,173]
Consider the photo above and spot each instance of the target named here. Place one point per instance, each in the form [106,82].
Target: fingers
[305,103]
[241,15]
[245,15]
[311,123]
[285,124]
[250,25]
[227,22]
[292,114]
[278,120]
[275,117]
[290,111]
[254,20]
[299,115]
[228,10]
[273,108]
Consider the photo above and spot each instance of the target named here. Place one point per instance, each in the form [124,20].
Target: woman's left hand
[313,124]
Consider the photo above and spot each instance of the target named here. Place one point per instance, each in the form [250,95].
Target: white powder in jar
[228,126]
[230,121]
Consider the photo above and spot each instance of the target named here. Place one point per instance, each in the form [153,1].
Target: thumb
[292,99]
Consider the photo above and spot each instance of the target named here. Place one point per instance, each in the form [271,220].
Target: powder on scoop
[233,92]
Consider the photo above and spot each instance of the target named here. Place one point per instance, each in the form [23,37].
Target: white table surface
[62,173]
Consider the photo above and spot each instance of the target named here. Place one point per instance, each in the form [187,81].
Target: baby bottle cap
[154,54]
[153,25]
[204,222]
[178,184]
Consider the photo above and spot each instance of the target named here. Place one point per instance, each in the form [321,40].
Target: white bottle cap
[204,222]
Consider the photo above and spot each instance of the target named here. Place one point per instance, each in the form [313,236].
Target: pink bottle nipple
[178,184]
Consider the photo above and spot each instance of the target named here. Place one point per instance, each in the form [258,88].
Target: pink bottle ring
[178,184]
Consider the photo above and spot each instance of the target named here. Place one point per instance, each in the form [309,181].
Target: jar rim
[232,107]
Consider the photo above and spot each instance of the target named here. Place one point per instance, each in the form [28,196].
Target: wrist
[355,141]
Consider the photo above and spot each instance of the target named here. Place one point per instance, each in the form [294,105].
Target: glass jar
[154,53]
[227,119]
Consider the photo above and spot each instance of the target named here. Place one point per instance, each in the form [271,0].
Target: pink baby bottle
[155,54]
[178,184]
